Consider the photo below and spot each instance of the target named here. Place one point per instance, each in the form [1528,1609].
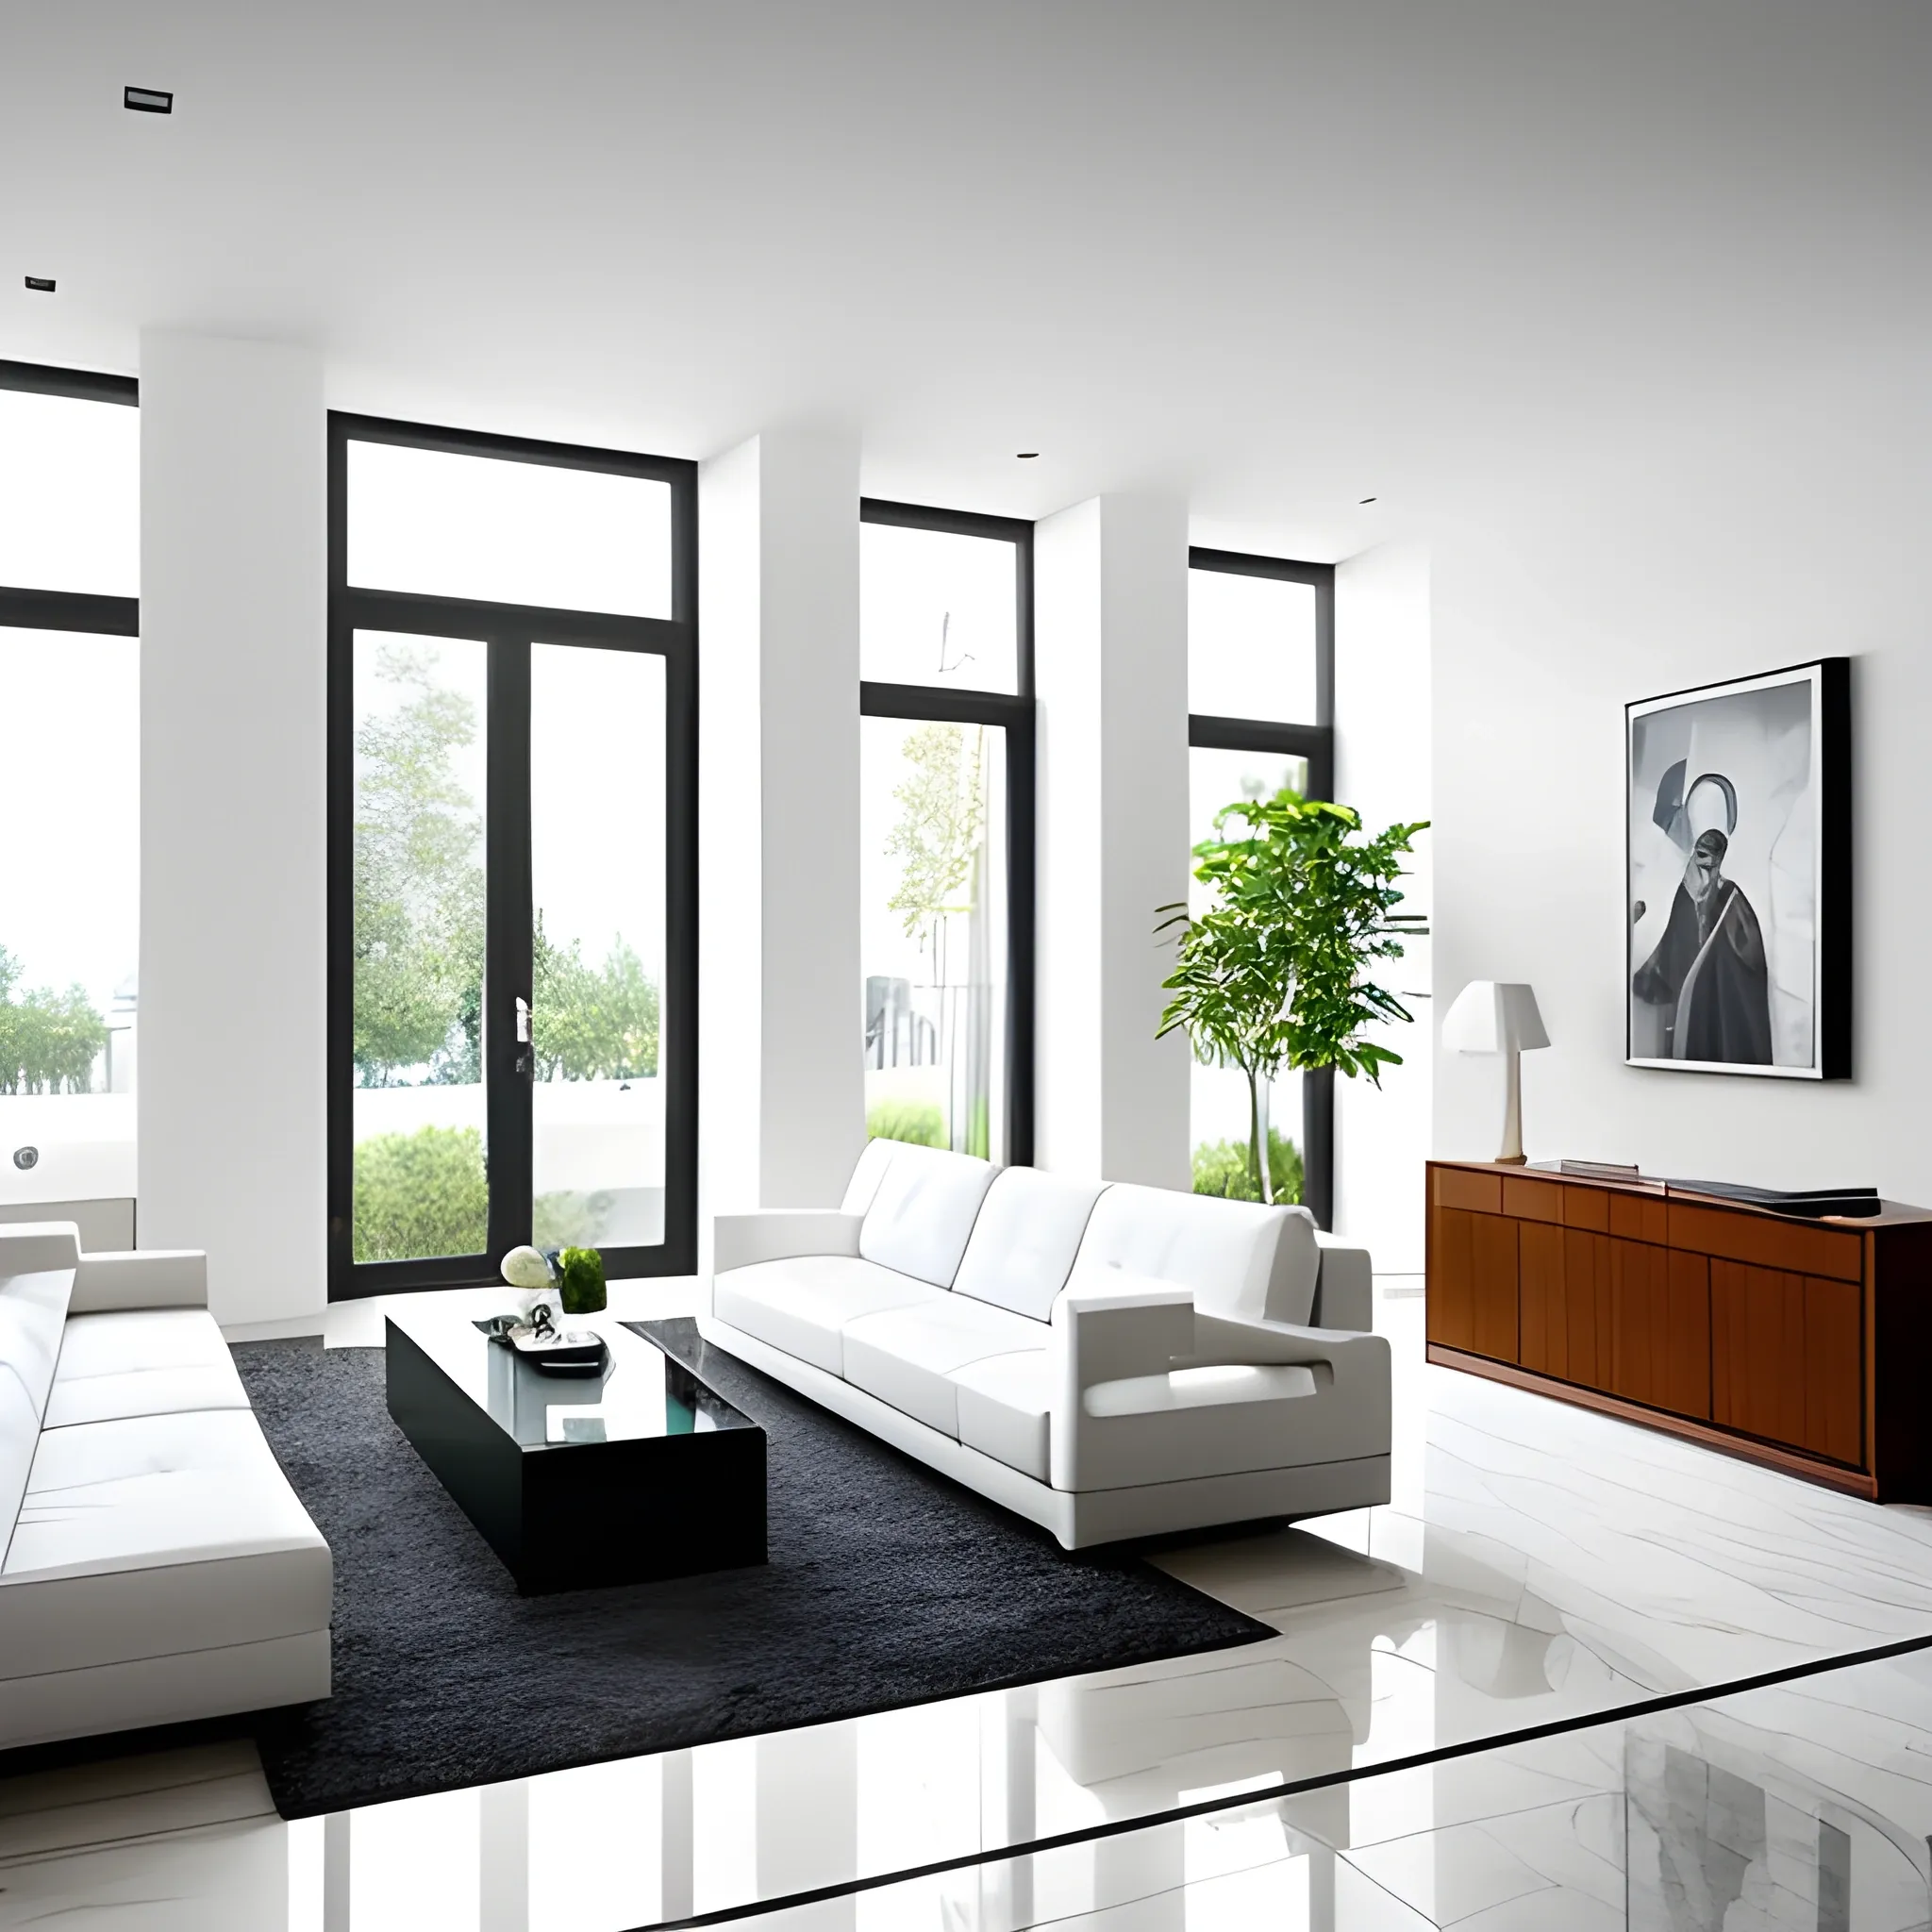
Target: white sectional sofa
[157,1566]
[1109,1361]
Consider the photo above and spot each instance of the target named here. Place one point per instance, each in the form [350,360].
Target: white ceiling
[1456,254]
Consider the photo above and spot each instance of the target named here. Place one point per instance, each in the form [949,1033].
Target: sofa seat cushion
[141,1361]
[1003,1409]
[154,1537]
[907,1356]
[803,1305]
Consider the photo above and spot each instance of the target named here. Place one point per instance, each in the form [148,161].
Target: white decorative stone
[526,1268]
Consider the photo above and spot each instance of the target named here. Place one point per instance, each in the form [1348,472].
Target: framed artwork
[1738,873]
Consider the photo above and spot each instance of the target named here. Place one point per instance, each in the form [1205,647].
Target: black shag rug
[887,1585]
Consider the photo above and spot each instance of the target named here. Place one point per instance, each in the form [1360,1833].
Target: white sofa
[1110,1362]
[157,1566]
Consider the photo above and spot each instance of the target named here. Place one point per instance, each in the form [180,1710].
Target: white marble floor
[1805,1805]
[1538,1564]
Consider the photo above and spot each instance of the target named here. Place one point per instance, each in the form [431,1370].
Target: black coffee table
[575,1481]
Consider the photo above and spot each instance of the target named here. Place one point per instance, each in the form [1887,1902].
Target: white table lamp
[1493,1016]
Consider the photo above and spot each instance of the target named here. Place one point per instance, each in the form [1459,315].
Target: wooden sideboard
[1805,1344]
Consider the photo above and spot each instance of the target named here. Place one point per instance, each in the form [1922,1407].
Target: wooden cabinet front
[1662,1320]
[1471,1302]
[1565,1301]
[1785,1359]
[1733,1325]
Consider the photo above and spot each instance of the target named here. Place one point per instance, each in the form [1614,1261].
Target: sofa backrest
[922,1210]
[37,1264]
[1243,1260]
[867,1175]
[1026,1238]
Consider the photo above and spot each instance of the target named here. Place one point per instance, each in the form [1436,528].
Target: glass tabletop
[639,1392]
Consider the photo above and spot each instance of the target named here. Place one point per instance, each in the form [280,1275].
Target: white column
[231,1105]
[503,1863]
[808,1820]
[1111,580]
[1382,768]
[781,1053]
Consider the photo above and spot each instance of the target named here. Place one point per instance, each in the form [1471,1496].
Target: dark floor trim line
[1119,1827]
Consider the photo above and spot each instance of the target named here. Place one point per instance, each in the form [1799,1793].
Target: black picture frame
[1790,876]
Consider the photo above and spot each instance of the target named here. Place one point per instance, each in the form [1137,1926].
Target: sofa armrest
[1346,1288]
[1108,1330]
[778,1234]
[1358,1364]
[38,1247]
[1129,1326]
[143,1278]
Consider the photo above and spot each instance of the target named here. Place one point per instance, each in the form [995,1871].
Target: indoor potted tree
[1272,973]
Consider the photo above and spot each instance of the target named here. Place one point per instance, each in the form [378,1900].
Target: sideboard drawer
[1768,1241]
[1527,1200]
[1478,1194]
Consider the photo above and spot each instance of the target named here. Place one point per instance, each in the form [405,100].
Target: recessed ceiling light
[41,284]
[1027,456]
[1366,499]
[147,100]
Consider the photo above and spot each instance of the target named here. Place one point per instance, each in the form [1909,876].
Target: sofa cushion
[907,1356]
[802,1304]
[1024,1240]
[1242,1259]
[156,1536]
[33,1311]
[922,1212]
[1005,1405]
[867,1175]
[141,1361]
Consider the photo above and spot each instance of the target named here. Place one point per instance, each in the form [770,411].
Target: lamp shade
[1493,1016]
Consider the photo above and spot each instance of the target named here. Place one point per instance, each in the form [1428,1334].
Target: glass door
[514,952]
[597,936]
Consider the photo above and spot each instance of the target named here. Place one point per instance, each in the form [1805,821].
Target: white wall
[1110,578]
[1781,556]
[782,997]
[1382,768]
[231,1103]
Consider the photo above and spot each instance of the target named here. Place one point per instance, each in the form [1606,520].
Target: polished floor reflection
[1802,1806]
[1538,1565]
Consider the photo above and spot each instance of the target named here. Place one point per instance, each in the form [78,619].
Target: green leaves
[589,1025]
[48,1040]
[1273,976]
[943,807]
[420,920]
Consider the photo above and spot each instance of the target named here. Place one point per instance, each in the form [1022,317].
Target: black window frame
[75,610]
[1016,713]
[1316,744]
[508,630]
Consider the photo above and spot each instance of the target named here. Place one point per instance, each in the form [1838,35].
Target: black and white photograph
[1736,872]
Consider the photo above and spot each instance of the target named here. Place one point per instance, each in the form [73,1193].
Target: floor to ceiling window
[1260,683]
[512,855]
[946,828]
[70,782]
